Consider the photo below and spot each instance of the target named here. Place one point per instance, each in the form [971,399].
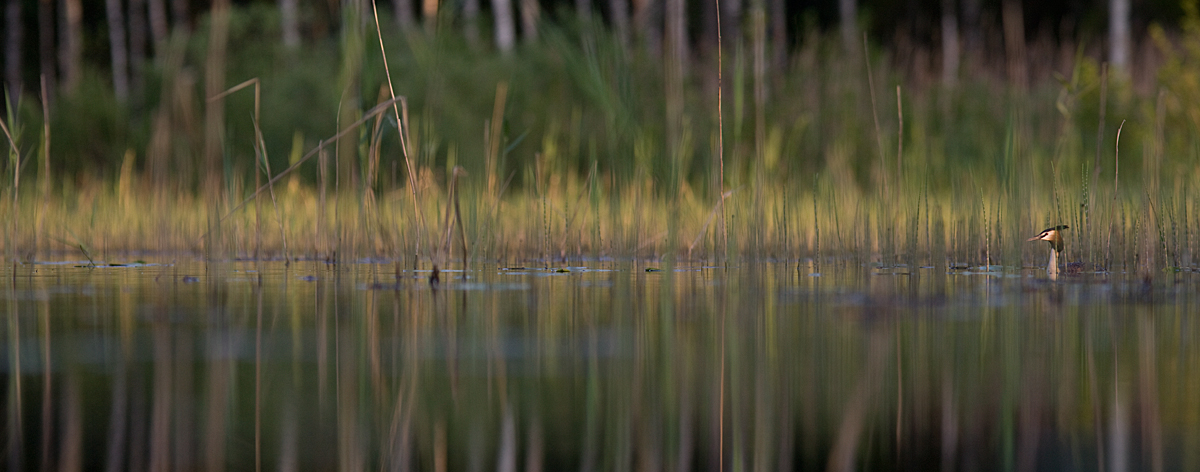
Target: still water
[186,365]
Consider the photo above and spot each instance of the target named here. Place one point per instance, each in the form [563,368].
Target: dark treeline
[56,38]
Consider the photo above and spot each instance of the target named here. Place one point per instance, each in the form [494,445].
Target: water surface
[181,364]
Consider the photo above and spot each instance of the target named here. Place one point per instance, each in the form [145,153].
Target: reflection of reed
[1148,395]
[47,384]
[14,424]
[842,455]
[598,371]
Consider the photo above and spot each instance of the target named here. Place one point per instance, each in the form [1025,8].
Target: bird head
[1051,235]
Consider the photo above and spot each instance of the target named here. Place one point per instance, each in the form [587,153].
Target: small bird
[1052,235]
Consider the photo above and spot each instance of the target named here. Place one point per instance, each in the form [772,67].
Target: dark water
[358,366]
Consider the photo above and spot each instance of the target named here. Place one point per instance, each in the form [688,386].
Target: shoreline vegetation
[575,148]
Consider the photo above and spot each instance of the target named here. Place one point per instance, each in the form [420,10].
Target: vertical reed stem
[41,219]
[403,125]
[721,158]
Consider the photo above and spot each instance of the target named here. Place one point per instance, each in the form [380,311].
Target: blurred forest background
[936,97]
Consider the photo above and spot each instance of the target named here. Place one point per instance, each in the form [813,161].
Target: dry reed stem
[402,123]
[721,181]
[41,218]
[725,237]
[1116,177]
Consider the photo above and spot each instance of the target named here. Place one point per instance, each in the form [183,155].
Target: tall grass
[976,168]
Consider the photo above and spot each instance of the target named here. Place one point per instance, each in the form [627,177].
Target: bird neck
[1052,267]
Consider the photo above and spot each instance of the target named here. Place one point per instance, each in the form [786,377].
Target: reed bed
[568,154]
[563,225]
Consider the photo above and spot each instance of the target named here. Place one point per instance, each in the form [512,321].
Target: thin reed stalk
[45,177]
[405,139]
[721,155]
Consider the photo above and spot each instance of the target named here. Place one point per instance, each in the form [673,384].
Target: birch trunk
[950,43]
[290,23]
[506,30]
[848,16]
[1118,34]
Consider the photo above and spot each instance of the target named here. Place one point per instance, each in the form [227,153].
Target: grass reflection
[358,366]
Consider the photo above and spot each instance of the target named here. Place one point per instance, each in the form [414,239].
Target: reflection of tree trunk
[46,44]
[530,14]
[290,23]
[12,47]
[119,53]
[404,13]
[1014,42]
[848,16]
[583,8]
[1118,34]
[70,52]
[950,51]
[619,10]
[506,31]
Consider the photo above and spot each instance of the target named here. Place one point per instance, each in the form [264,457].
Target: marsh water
[596,365]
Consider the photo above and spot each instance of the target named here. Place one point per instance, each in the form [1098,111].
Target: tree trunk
[46,45]
[1118,34]
[530,15]
[429,13]
[70,52]
[471,21]
[950,41]
[12,47]
[119,52]
[731,21]
[647,25]
[137,51]
[779,41]
[506,30]
[290,22]
[158,23]
[583,8]
[180,15]
[619,9]
[848,16]
[404,13]
[1013,18]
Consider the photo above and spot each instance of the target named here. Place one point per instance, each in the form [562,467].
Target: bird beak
[1035,238]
